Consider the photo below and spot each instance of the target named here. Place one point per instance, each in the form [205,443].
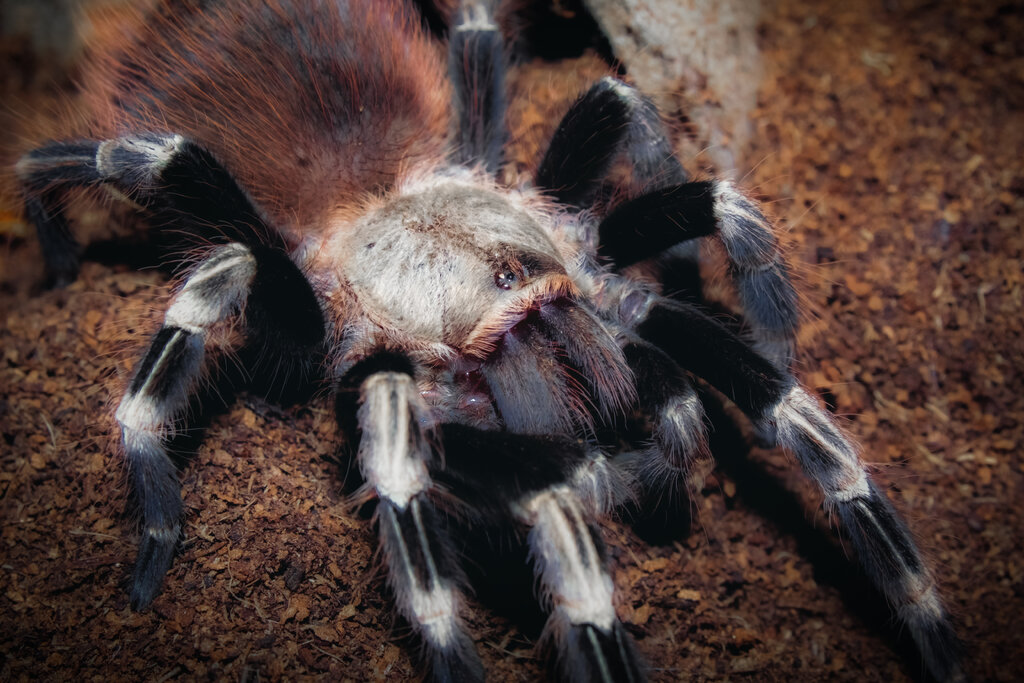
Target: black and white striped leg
[394,457]
[570,564]
[174,179]
[678,456]
[653,222]
[490,471]
[656,170]
[760,272]
[477,69]
[883,543]
[554,486]
[878,534]
[781,407]
[164,381]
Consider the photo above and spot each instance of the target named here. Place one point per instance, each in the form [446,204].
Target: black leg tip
[458,663]
[156,552]
[940,649]
[591,653]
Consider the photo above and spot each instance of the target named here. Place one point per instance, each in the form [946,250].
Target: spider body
[478,337]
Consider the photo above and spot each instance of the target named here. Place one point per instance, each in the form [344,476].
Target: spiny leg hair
[164,380]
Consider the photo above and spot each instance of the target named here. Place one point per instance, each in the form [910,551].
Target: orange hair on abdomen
[310,105]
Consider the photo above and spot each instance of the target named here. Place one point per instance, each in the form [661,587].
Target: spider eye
[506,279]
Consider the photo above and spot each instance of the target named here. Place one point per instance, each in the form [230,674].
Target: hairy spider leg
[655,221]
[188,192]
[587,140]
[760,271]
[778,405]
[177,181]
[678,455]
[554,487]
[570,563]
[394,456]
[165,379]
[668,212]
[477,70]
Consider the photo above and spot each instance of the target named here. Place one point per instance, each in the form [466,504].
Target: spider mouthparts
[593,350]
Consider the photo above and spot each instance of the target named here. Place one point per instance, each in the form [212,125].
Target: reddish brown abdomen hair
[310,105]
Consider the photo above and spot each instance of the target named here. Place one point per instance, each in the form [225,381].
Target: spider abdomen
[306,107]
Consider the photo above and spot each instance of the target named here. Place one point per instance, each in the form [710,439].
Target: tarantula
[478,337]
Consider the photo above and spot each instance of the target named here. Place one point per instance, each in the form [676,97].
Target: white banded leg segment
[164,381]
[569,561]
[45,175]
[823,451]
[393,449]
[216,290]
[760,272]
[600,485]
[137,160]
[681,444]
[423,571]
[884,545]
[679,453]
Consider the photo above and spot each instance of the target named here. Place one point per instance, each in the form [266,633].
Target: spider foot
[158,490]
[457,663]
[592,653]
[156,552]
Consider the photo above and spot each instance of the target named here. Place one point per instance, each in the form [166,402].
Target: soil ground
[889,145]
